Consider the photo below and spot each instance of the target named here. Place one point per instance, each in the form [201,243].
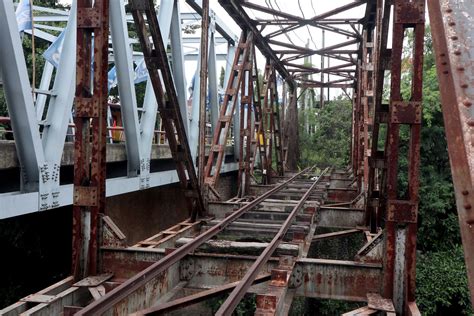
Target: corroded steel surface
[452,24]
[90,123]
[157,63]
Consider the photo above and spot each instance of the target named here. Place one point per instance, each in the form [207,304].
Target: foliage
[310,306]
[246,306]
[446,295]
[327,142]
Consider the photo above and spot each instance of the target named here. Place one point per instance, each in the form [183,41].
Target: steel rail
[134,283]
[240,290]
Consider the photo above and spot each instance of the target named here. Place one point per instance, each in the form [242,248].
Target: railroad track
[250,245]
[278,223]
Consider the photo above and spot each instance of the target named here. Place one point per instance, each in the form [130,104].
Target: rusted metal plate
[405,112]
[280,277]
[93,281]
[375,301]
[85,196]
[87,107]
[335,279]
[38,298]
[409,12]
[402,211]
[88,18]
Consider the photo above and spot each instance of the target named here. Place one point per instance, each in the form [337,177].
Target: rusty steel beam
[399,279]
[260,132]
[195,298]
[245,125]
[319,278]
[271,120]
[240,290]
[376,187]
[153,271]
[156,60]
[235,10]
[89,145]
[241,64]
[451,25]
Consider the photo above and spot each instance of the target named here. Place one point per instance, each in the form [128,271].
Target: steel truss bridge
[260,241]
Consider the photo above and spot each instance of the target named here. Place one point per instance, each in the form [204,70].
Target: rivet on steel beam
[465,192]
[442,54]
[467,103]
[451,23]
[444,63]
[449,10]
[460,68]
[470,122]
[468,206]
[454,37]
[464,85]
[457,52]
[446,72]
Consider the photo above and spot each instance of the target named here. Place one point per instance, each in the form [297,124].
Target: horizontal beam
[17,203]
[320,278]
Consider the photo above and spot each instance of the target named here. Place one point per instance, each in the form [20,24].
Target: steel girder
[90,121]
[451,26]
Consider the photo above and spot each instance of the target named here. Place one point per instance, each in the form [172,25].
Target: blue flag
[23,16]
[141,72]
[112,78]
[53,53]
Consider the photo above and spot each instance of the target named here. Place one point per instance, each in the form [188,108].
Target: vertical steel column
[90,121]
[277,126]
[268,118]
[357,128]
[212,74]
[177,58]
[293,133]
[401,216]
[260,138]
[321,91]
[203,91]
[126,86]
[246,98]
[367,101]
[451,26]
[381,57]
[217,150]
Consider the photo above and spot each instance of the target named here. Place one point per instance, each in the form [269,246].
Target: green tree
[330,132]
